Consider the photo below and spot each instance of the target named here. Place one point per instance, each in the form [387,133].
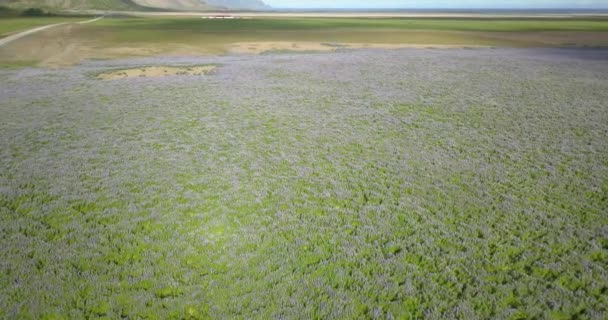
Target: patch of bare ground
[262,47]
[156,71]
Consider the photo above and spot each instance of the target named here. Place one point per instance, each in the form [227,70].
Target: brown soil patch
[156,71]
[261,47]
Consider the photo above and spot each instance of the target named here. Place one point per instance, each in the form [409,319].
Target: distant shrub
[34,12]
[6,11]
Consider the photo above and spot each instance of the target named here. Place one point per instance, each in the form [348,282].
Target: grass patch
[328,24]
[16,64]
[125,37]
[14,24]
[217,34]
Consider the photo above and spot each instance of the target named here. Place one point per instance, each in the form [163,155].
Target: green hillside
[136,5]
[54,5]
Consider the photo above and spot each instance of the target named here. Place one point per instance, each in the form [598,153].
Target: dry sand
[156,71]
[262,47]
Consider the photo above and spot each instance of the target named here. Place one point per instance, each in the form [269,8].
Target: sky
[443,4]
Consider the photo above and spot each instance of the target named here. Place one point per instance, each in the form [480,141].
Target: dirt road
[22,34]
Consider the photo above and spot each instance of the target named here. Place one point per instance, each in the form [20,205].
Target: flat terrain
[414,183]
[9,25]
[194,36]
[384,14]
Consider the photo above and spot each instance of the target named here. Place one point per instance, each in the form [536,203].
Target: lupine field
[403,184]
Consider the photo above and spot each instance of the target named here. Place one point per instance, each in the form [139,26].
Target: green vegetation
[122,37]
[440,184]
[196,30]
[62,5]
[134,5]
[34,12]
[17,64]
[8,12]
[330,24]
[14,24]
[218,33]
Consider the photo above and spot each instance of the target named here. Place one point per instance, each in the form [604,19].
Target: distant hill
[54,5]
[182,5]
[239,4]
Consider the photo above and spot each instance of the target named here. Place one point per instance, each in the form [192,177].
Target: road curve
[92,20]
[20,35]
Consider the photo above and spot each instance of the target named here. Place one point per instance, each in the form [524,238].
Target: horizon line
[441,8]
